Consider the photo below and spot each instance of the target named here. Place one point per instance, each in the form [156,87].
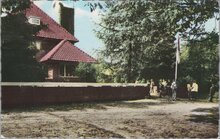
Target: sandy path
[140,118]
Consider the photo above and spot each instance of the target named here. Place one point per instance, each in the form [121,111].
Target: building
[55,43]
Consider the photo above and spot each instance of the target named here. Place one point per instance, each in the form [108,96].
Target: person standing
[189,88]
[195,89]
[174,89]
[212,91]
[160,89]
[164,83]
[169,90]
[152,84]
[148,91]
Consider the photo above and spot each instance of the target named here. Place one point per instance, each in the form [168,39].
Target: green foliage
[14,6]
[103,72]
[201,61]
[18,61]
[86,72]
[139,35]
[103,5]
[107,73]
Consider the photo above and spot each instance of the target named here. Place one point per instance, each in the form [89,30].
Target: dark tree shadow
[205,115]
[137,105]
[87,105]
[56,107]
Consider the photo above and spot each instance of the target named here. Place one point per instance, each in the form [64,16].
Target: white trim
[34,20]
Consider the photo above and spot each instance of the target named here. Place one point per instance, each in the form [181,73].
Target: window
[66,70]
[69,70]
[34,20]
[62,70]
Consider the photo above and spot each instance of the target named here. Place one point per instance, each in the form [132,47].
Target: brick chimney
[65,16]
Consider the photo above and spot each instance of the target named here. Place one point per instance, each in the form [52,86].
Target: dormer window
[34,20]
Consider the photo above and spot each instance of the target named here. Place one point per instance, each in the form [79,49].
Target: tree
[86,72]
[139,35]
[200,61]
[18,61]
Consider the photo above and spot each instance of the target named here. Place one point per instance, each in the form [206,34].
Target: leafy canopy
[18,61]
[139,36]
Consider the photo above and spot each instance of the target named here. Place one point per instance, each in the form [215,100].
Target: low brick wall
[14,95]
[182,92]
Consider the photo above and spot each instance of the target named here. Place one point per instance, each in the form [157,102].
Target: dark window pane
[61,70]
[69,70]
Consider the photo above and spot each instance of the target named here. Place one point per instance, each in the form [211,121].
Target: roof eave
[56,60]
[44,37]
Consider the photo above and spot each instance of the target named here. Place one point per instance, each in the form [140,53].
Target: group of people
[192,90]
[164,88]
[168,88]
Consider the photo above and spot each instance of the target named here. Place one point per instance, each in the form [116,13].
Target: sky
[85,23]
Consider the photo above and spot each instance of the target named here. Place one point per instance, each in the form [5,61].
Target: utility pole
[176,67]
[219,50]
[177,57]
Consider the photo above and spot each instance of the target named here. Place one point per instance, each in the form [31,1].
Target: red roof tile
[54,30]
[66,51]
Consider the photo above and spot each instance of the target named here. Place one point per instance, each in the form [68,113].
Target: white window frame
[34,20]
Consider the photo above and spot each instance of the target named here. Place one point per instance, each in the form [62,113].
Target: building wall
[26,95]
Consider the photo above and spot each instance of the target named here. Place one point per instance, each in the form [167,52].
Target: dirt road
[140,118]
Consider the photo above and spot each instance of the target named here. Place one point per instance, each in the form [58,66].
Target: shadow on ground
[205,115]
[91,105]
[56,107]
[132,104]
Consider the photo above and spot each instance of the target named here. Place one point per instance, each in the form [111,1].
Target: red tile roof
[66,51]
[54,30]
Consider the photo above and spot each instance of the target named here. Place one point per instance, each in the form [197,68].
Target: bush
[86,72]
